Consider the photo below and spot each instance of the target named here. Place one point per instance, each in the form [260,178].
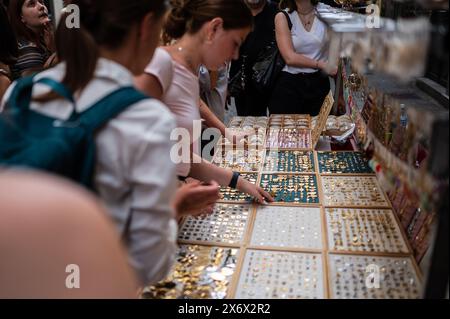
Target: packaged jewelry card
[291,188]
[299,121]
[350,191]
[373,277]
[255,122]
[280,275]
[364,230]
[239,160]
[236,122]
[295,227]
[227,224]
[288,138]
[200,272]
[241,139]
[343,163]
[289,161]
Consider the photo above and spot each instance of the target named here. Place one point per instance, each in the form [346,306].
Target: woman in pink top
[208,33]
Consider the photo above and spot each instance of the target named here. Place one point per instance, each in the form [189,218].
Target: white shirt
[134,172]
[181,94]
[312,44]
[214,97]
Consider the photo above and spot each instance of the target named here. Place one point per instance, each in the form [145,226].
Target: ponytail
[104,23]
[176,22]
[78,49]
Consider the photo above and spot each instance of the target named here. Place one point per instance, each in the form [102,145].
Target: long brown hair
[21,31]
[103,23]
[291,5]
[188,16]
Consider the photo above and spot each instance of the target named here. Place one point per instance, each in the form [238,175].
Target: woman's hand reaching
[260,195]
[196,199]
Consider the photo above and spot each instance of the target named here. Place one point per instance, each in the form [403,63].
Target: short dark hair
[291,5]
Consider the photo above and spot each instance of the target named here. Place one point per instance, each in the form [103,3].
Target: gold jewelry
[310,19]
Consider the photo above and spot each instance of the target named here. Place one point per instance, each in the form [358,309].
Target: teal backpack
[29,139]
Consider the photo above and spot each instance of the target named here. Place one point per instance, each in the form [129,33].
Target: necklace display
[306,18]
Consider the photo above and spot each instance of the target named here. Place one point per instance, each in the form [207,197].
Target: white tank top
[312,44]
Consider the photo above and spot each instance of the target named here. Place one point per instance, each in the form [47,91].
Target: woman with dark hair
[34,32]
[8,50]
[303,84]
[209,33]
[134,174]
[251,101]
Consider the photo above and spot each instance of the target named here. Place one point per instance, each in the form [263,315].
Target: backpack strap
[21,94]
[288,19]
[57,87]
[104,110]
[110,107]
[94,117]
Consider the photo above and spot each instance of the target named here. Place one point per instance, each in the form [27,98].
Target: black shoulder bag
[236,84]
[269,65]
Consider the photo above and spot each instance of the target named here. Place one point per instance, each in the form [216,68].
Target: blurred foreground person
[47,226]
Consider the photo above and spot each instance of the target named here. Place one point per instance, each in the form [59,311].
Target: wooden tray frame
[325,252]
[316,154]
[322,118]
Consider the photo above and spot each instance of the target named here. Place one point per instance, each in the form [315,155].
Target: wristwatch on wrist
[234,180]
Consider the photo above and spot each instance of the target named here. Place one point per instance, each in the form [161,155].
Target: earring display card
[366,230]
[276,122]
[296,227]
[290,121]
[249,122]
[289,161]
[239,160]
[284,275]
[236,122]
[343,163]
[288,138]
[350,191]
[227,224]
[228,194]
[370,277]
[254,139]
[297,121]
[255,123]
[291,188]
[199,273]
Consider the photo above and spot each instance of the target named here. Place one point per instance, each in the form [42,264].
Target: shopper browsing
[134,175]
[207,33]
[249,100]
[303,84]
